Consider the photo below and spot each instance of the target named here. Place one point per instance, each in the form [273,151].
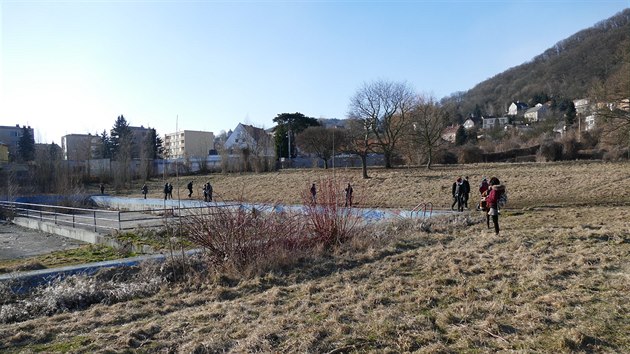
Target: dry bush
[329,222]
[616,153]
[550,150]
[444,157]
[470,154]
[239,239]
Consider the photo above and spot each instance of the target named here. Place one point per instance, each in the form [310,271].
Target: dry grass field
[557,279]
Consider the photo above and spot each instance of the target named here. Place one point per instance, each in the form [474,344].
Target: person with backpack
[457,194]
[495,199]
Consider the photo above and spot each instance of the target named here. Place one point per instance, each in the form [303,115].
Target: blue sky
[74,66]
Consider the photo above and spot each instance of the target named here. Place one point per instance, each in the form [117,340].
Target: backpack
[503,199]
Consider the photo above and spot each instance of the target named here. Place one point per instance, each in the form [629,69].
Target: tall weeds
[329,222]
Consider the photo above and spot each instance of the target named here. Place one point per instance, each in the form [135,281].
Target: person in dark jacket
[314,193]
[349,192]
[457,194]
[102,188]
[209,191]
[145,190]
[166,191]
[465,192]
[190,189]
[170,190]
[496,190]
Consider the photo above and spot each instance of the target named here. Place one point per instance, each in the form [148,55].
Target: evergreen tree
[460,136]
[26,145]
[570,114]
[106,146]
[120,136]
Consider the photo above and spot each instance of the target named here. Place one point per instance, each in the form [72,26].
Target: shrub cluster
[246,240]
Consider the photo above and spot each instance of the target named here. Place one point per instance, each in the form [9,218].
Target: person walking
[145,190]
[166,191]
[102,188]
[170,190]
[457,190]
[209,191]
[190,189]
[313,193]
[497,190]
[465,192]
[349,192]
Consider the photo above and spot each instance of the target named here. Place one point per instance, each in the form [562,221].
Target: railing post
[94,220]
[119,225]
[73,220]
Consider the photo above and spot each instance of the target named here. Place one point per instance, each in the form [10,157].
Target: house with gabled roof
[517,108]
[257,140]
[536,113]
[472,123]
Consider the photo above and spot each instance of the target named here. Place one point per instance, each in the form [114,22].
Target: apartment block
[188,143]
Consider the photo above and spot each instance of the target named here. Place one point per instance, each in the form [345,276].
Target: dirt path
[19,242]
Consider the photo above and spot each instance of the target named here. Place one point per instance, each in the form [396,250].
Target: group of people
[168,191]
[461,192]
[492,197]
[348,192]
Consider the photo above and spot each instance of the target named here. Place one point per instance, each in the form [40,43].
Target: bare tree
[428,121]
[318,141]
[384,107]
[357,139]
[613,99]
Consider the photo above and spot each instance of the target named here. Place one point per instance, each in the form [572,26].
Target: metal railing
[96,219]
[424,208]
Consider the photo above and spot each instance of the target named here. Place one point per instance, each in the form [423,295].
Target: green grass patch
[83,254]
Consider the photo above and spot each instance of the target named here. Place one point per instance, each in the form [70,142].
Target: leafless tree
[428,121]
[357,139]
[384,107]
[613,99]
[318,141]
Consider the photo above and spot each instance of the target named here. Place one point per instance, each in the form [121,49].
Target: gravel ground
[19,242]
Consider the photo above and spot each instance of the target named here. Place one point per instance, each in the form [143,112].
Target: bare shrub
[570,146]
[549,151]
[616,154]
[470,154]
[330,223]
[444,156]
[238,238]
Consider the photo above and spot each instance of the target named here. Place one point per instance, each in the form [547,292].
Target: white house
[516,108]
[536,113]
[470,123]
[257,140]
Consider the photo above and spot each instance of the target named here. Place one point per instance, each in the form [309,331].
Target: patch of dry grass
[556,281]
[529,184]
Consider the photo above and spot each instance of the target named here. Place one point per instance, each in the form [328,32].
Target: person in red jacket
[492,200]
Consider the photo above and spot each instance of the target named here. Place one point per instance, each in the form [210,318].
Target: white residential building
[257,140]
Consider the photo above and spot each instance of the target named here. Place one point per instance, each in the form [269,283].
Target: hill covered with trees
[568,70]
